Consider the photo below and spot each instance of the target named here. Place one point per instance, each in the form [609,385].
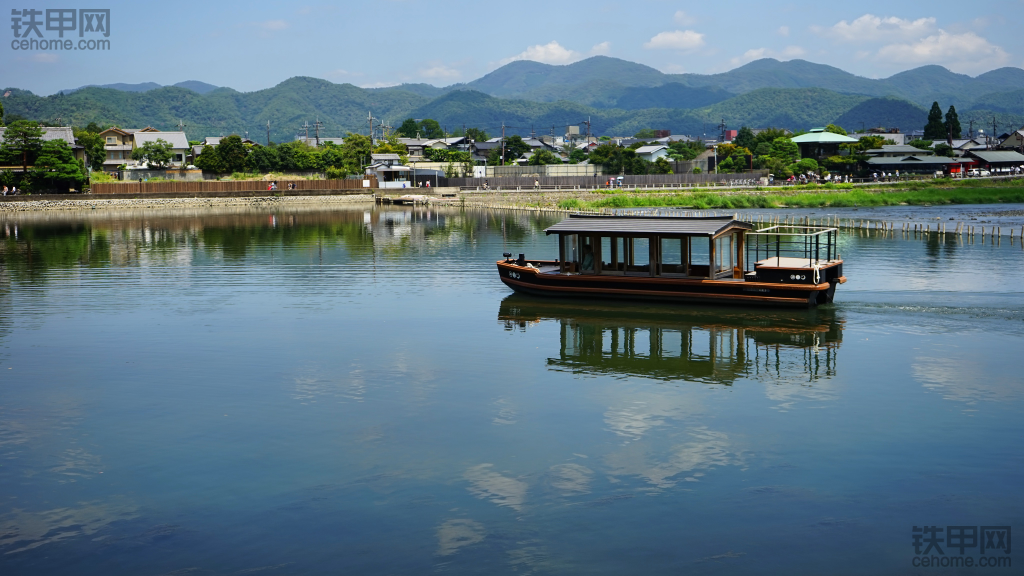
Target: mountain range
[618,97]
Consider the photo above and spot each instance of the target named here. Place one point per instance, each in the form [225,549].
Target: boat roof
[644,225]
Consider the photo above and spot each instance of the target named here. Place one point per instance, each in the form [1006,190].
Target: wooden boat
[683,259]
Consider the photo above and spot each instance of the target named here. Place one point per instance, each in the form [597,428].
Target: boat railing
[808,243]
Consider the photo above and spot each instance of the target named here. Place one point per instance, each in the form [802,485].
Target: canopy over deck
[645,225]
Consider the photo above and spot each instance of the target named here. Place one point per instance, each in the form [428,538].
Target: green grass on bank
[808,199]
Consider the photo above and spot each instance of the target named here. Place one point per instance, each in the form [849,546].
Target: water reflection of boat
[707,344]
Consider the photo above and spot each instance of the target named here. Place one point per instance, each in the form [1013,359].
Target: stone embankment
[99,203]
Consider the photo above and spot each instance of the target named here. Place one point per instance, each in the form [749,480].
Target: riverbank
[99,203]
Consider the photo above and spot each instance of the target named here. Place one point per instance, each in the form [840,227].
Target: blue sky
[257,44]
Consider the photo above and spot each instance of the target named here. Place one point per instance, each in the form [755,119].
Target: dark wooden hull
[682,290]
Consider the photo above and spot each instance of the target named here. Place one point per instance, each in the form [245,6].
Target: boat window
[638,256]
[725,253]
[572,252]
[699,256]
[672,252]
[587,254]
[612,254]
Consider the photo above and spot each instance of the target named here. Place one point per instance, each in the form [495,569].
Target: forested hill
[679,105]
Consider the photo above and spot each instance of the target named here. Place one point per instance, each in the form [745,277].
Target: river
[353,391]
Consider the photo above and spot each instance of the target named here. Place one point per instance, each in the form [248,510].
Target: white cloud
[871,28]
[550,53]
[601,49]
[273,25]
[676,40]
[783,30]
[440,71]
[682,18]
[789,52]
[45,58]
[958,52]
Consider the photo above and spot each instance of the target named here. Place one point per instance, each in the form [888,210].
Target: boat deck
[784,262]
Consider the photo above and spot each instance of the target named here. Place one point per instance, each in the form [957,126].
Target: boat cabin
[720,260]
[665,247]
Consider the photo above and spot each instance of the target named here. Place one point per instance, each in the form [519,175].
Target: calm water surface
[354,391]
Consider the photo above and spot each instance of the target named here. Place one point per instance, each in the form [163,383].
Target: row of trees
[941,128]
[54,166]
[336,161]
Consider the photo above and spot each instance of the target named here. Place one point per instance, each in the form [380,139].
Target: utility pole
[268,133]
[502,143]
[995,134]
[721,128]
[317,126]
[305,126]
[181,126]
[970,133]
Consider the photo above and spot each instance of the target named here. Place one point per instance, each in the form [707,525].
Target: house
[117,143]
[997,160]
[64,133]
[180,148]
[312,141]
[1013,141]
[961,145]
[908,159]
[818,143]
[652,153]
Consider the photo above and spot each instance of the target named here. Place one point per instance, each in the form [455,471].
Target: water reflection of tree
[28,252]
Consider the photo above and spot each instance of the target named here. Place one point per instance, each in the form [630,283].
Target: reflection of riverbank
[679,343]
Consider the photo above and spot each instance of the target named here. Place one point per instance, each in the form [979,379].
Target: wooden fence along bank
[239,186]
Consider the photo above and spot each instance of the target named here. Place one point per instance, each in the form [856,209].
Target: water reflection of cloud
[21,530]
[960,380]
[506,412]
[634,417]
[456,534]
[571,479]
[706,449]
[788,392]
[77,463]
[310,388]
[501,490]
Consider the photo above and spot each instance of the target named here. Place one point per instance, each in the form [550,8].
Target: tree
[541,157]
[431,129]
[935,129]
[662,166]
[944,149]
[953,123]
[835,129]
[356,152]
[1,113]
[871,143]
[476,135]
[156,154]
[392,146]
[745,138]
[408,129]
[645,133]
[209,161]
[770,134]
[786,150]
[56,164]
[232,153]
[577,155]
[514,148]
[95,149]
[261,159]
[25,138]
[921,144]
